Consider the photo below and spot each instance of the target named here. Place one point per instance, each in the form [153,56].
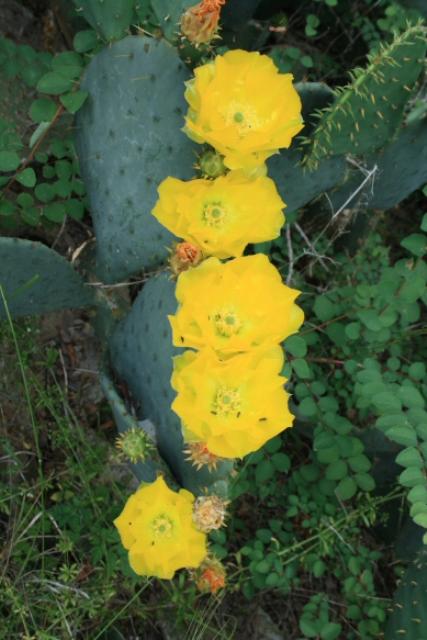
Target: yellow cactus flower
[234,306]
[156,527]
[221,216]
[243,107]
[234,405]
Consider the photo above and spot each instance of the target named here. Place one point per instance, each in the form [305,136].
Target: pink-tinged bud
[209,513]
[211,576]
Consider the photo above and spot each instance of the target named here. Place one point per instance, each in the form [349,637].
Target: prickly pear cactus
[168,13]
[296,184]
[36,279]
[402,166]
[111,18]
[129,139]
[367,113]
[141,353]
[409,616]
[145,471]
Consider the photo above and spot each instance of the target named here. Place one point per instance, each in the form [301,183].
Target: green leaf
[411,397]
[43,110]
[44,192]
[421,520]
[7,208]
[402,435]
[75,208]
[352,330]
[416,243]
[31,216]
[418,493]
[410,457]
[417,370]
[9,161]
[27,177]
[424,223]
[263,567]
[85,40]
[337,470]
[281,462]
[370,319]
[307,407]
[330,631]
[413,288]
[37,134]
[411,477]
[301,368]
[68,64]
[55,211]
[73,101]
[308,627]
[359,463]
[296,346]
[324,308]
[263,472]
[346,488]
[365,481]
[54,83]
[387,402]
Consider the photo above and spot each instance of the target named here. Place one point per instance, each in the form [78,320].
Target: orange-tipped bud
[211,576]
[199,24]
[184,256]
[200,456]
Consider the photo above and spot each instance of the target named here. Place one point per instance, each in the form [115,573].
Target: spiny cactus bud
[200,22]
[209,513]
[211,164]
[134,444]
[210,577]
[184,256]
[200,456]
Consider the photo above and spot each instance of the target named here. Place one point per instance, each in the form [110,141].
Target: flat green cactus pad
[111,18]
[409,615]
[168,13]
[296,184]
[367,112]
[129,139]
[36,279]
[141,353]
[146,471]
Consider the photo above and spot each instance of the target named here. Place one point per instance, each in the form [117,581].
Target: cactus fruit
[111,18]
[367,112]
[36,280]
[141,353]
[409,616]
[128,141]
[145,471]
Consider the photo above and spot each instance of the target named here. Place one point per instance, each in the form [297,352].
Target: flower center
[244,117]
[162,526]
[227,323]
[214,214]
[227,402]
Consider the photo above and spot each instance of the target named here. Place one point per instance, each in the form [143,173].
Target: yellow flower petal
[234,306]
[243,106]
[221,216]
[233,405]
[156,527]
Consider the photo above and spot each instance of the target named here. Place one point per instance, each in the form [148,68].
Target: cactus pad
[367,112]
[141,353]
[111,18]
[36,279]
[296,184]
[168,13]
[409,617]
[128,141]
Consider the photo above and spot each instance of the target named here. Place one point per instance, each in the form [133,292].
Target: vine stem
[58,113]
